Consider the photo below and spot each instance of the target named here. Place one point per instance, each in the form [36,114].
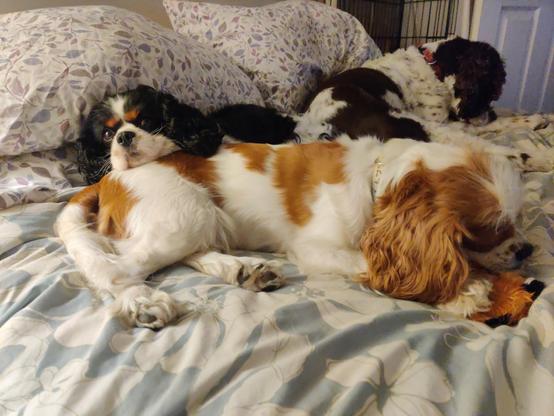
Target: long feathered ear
[413,247]
[189,128]
[480,77]
[93,154]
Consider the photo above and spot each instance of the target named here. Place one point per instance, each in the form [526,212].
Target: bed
[319,345]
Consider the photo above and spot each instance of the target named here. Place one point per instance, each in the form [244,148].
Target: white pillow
[286,47]
[56,63]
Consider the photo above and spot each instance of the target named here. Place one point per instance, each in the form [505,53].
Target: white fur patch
[117,105]
[313,123]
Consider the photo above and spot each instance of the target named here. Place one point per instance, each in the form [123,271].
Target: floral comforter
[320,345]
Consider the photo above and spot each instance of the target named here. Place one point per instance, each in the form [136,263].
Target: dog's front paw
[145,307]
[535,121]
[536,161]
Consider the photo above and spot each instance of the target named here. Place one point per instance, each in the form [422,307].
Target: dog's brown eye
[144,122]
[107,134]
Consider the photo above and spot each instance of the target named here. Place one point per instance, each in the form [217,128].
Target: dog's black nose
[125,138]
[525,251]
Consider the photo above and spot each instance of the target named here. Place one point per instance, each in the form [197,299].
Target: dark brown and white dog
[400,216]
[409,92]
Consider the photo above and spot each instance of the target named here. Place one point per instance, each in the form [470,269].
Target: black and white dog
[130,117]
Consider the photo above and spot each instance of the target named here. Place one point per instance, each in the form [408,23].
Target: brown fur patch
[300,169]
[131,115]
[414,245]
[111,122]
[255,154]
[88,199]
[115,203]
[197,169]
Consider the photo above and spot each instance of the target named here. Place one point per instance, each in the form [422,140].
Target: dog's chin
[124,160]
[120,159]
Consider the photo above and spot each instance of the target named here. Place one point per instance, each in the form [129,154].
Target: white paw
[535,161]
[265,276]
[535,121]
[145,307]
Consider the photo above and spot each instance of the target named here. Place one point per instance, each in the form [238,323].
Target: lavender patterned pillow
[284,47]
[56,63]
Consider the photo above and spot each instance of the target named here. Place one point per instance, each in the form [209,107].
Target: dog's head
[139,126]
[431,226]
[478,75]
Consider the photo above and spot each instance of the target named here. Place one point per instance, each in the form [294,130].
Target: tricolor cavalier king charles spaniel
[421,221]
[144,114]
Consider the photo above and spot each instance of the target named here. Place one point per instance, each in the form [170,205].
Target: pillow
[56,63]
[286,47]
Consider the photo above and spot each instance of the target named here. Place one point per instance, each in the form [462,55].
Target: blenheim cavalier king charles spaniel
[421,221]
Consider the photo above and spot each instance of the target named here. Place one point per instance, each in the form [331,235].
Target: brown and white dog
[407,93]
[401,216]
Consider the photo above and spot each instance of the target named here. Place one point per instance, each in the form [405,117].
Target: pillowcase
[286,47]
[56,63]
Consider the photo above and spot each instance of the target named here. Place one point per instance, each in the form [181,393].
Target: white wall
[151,8]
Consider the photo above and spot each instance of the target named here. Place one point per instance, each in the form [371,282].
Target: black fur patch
[370,81]
[367,114]
[254,124]
[535,288]
[498,321]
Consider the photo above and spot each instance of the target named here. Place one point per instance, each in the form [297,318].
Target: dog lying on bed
[399,216]
[404,93]
[145,112]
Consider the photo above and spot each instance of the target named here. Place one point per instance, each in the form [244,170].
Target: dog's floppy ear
[413,247]
[189,128]
[479,79]
[92,153]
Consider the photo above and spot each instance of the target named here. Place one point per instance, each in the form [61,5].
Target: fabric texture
[321,345]
[56,63]
[37,176]
[286,47]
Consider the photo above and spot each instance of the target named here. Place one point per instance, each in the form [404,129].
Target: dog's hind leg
[250,273]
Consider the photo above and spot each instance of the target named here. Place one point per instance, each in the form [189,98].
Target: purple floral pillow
[56,63]
[284,47]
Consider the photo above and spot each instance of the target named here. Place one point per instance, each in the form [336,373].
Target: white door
[523,32]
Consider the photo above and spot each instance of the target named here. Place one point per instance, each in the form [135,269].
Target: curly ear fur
[479,80]
[479,71]
[413,247]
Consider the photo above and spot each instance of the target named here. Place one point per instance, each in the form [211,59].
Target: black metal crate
[396,24]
